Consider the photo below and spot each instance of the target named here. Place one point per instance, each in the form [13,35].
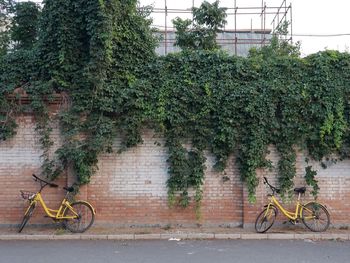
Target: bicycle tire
[26,217]
[264,223]
[83,222]
[315,217]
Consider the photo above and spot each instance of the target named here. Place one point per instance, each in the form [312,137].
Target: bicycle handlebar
[43,181]
[274,189]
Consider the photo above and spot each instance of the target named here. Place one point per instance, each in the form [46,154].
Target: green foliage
[8,125]
[208,20]
[229,104]
[15,71]
[310,178]
[95,51]
[186,171]
[24,28]
[18,25]
[6,7]
[279,45]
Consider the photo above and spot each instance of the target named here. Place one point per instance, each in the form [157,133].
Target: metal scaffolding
[234,35]
[271,17]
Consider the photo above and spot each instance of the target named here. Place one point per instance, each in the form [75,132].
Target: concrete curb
[182,236]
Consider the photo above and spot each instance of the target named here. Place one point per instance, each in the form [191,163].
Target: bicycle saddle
[69,189]
[300,190]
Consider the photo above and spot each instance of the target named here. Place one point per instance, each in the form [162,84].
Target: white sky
[310,17]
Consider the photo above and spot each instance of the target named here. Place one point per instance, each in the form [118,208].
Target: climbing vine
[99,57]
[6,8]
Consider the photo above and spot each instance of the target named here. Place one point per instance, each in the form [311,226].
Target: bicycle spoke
[84,219]
[265,220]
[27,216]
[315,217]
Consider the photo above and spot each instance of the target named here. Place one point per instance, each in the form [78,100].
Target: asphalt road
[205,251]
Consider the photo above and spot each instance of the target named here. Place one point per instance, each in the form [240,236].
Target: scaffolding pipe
[291,23]
[166,29]
[228,8]
[261,19]
[279,14]
[264,32]
[235,19]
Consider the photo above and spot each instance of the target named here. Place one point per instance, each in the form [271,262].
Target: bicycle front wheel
[315,217]
[83,217]
[265,219]
[26,217]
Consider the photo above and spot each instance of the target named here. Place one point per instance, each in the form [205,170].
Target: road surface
[166,251]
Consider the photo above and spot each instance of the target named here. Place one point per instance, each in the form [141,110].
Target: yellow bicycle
[77,216]
[313,215]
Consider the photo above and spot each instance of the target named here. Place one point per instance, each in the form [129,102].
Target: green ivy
[6,9]
[24,28]
[310,178]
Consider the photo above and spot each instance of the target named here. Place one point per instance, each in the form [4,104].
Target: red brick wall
[130,188]
[334,190]
[19,159]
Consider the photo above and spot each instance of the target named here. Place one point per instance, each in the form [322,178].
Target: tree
[279,45]
[5,21]
[207,21]
[25,20]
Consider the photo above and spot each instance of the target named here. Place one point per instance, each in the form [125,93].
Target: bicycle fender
[302,207]
[316,203]
[88,204]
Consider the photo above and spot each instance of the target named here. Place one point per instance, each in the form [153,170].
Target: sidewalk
[172,234]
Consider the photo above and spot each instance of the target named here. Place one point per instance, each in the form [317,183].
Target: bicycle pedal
[289,221]
[294,222]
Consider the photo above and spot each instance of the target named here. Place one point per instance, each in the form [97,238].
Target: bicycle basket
[27,195]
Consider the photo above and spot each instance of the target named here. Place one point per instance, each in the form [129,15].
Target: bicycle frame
[54,214]
[77,216]
[291,215]
[312,214]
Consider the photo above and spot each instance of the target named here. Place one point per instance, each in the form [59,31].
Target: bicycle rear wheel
[26,217]
[265,220]
[315,217]
[83,221]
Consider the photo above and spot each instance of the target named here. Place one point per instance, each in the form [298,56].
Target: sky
[321,18]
